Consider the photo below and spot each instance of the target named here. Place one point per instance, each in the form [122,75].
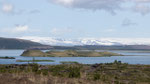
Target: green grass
[107,73]
[34,60]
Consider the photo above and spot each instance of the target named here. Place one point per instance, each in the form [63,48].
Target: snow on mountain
[89,41]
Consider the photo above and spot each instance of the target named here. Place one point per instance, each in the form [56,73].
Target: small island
[68,53]
[6,57]
[69,62]
[34,60]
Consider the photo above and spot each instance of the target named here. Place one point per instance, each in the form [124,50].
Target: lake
[140,57]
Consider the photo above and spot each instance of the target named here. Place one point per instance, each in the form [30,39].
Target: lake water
[140,57]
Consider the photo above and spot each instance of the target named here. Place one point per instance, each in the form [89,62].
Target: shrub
[96,76]
[57,70]
[117,62]
[74,72]
[35,67]
[45,72]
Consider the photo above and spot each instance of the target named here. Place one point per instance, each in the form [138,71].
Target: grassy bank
[117,73]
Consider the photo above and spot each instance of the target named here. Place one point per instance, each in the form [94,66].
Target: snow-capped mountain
[89,41]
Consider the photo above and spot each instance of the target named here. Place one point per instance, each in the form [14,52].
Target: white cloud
[7,8]
[65,2]
[60,31]
[21,28]
[17,29]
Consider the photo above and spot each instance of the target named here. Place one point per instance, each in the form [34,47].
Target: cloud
[142,8]
[7,8]
[16,29]
[21,28]
[108,5]
[142,1]
[60,31]
[128,22]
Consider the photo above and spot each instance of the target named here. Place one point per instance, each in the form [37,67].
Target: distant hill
[104,47]
[12,43]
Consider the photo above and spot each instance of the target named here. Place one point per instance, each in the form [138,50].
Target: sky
[75,18]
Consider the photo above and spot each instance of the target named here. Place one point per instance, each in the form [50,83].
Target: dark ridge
[13,43]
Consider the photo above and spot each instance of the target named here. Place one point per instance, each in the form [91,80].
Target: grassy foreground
[109,73]
[68,53]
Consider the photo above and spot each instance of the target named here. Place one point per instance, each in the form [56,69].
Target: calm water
[140,57]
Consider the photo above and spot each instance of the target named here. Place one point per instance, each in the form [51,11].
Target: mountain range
[88,41]
[79,44]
